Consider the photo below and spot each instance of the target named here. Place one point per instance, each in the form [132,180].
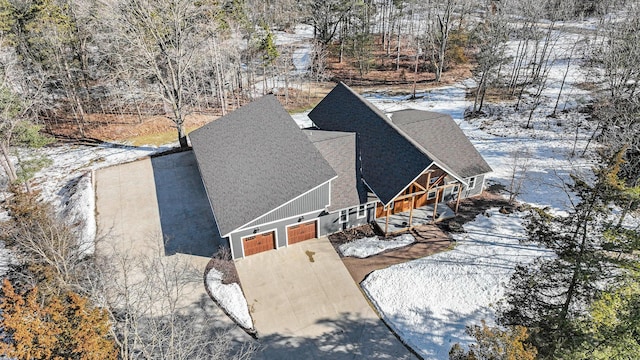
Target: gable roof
[394,151]
[443,139]
[339,149]
[389,162]
[254,160]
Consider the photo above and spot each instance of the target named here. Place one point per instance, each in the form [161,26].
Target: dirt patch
[222,262]
[471,207]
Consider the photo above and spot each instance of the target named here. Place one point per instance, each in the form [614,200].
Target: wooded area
[72,67]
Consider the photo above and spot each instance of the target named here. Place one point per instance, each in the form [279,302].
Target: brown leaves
[59,327]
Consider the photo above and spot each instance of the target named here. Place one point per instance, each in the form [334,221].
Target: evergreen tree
[552,296]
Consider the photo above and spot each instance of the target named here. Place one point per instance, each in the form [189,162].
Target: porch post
[386,223]
[413,201]
[435,205]
[459,196]
[428,185]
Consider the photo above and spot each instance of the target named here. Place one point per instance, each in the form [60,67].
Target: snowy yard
[429,301]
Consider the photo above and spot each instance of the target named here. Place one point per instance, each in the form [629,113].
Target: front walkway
[430,239]
[305,305]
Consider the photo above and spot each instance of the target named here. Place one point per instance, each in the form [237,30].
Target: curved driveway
[305,305]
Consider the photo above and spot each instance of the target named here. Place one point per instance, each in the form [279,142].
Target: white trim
[275,238]
[346,218]
[409,184]
[283,219]
[243,227]
[286,228]
[364,211]
[469,187]
[434,159]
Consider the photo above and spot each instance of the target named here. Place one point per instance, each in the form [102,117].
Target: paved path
[429,240]
[305,305]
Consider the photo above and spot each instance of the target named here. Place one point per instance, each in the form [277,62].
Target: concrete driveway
[305,304]
[132,217]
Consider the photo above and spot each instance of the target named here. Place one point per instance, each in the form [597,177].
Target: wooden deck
[420,216]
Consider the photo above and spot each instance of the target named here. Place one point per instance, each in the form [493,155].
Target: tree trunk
[7,165]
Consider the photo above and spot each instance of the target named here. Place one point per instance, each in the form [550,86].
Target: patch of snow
[231,298]
[303,120]
[362,248]
[80,212]
[430,301]
[6,259]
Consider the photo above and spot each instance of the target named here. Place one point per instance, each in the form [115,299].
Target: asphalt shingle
[254,160]
[443,140]
[389,161]
[339,149]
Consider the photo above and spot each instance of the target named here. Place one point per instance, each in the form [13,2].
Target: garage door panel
[302,232]
[259,243]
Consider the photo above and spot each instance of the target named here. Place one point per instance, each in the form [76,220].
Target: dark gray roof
[339,149]
[389,161]
[443,140]
[254,160]
[395,151]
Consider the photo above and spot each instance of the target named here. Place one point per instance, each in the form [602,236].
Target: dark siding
[314,200]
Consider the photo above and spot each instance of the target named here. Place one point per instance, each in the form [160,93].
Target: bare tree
[155,316]
[163,40]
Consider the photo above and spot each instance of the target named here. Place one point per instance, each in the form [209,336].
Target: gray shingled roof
[389,161]
[443,140]
[339,149]
[395,151]
[254,160]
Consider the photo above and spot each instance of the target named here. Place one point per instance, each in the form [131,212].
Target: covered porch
[406,220]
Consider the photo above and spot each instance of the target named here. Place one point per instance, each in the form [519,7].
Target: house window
[344,216]
[362,211]
[455,190]
[431,195]
[472,183]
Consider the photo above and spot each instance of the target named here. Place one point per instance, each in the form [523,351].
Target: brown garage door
[259,243]
[301,232]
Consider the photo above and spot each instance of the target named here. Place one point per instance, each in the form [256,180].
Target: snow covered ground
[230,298]
[362,248]
[429,301]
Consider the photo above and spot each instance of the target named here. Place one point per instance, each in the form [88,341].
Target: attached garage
[301,232]
[258,243]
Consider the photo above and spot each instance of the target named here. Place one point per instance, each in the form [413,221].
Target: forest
[94,71]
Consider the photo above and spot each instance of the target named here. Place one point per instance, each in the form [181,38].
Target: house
[271,184]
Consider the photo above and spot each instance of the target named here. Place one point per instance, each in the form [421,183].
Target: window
[472,183]
[431,195]
[456,189]
[344,216]
[362,211]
